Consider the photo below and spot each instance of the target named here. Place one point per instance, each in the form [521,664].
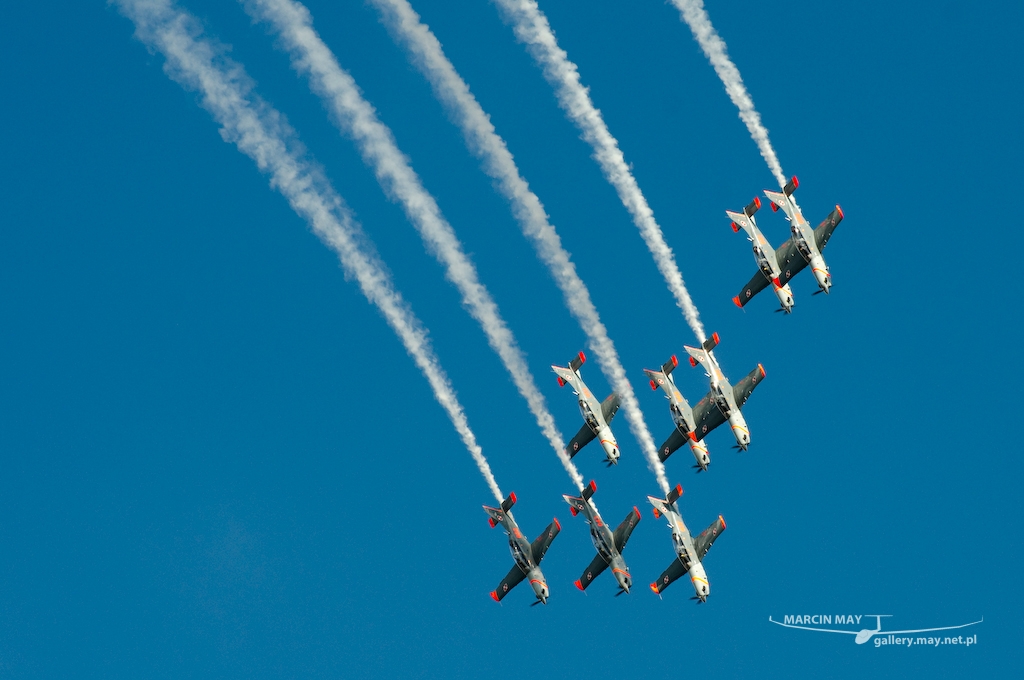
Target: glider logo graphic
[882,637]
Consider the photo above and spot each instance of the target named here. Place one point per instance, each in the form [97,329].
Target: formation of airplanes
[723,403]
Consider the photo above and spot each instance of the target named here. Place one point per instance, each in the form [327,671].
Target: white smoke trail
[696,17]
[260,132]
[356,117]
[532,28]
[484,142]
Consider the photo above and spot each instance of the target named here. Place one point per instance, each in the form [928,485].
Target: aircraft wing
[703,542]
[671,445]
[609,407]
[741,391]
[707,416]
[824,230]
[543,542]
[673,572]
[626,528]
[582,438]
[592,571]
[515,576]
[791,262]
[753,287]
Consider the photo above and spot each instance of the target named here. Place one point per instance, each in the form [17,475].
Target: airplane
[803,247]
[527,556]
[597,415]
[609,544]
[682,416]
[690,552]
[764,254]
[723,402]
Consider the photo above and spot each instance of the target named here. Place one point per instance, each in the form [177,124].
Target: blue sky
[218,461]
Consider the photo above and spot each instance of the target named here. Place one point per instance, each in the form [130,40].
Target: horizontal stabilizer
[578,361]
[589,490]
[711,342]
[507,504]
[674,494]
[791,186]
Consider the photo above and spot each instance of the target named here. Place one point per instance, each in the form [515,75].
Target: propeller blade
[780,309]
[535,603]
[621,592]
[817,292]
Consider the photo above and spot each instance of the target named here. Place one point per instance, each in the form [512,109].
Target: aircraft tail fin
[589,490]
[674,494]
[507,504]
[791,186]
[753,207]
[711,342]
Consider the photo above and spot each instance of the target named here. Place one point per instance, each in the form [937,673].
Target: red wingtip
[796,182]
[512,496]
[693,362]
[637,513]
[736,301]
[593,486]
[583,357]
[775,208]
[840,211]
[653,386]
[734,227]
[715,336]
[573,510]
[722,520]
[494,595]
[656,513]
[757,202]
[557,523]
[675,362]
[654,588]
[490,520]
[763,374]
[561,383]
[578,584]
[679,489]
